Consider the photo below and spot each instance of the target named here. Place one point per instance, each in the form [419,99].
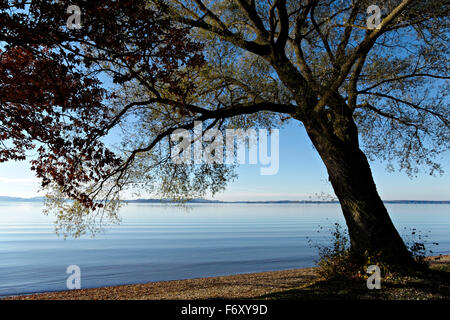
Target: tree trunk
[370,228]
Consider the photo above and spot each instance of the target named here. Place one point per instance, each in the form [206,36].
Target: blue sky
[301,176]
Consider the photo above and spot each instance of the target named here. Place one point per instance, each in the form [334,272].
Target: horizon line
[202,200]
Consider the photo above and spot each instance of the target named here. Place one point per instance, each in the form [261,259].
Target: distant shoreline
[197,201]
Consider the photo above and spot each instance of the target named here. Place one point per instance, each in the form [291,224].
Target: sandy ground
[226,287]
[439,259]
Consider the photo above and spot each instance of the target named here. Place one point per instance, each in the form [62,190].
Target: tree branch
[249,8]
[322,37]
[410,104]
[362,49]
[386,115]
[227,35]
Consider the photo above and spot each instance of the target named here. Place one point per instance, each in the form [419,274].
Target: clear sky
[301,176]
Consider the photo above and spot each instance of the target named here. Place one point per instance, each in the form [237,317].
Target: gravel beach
[239,286]
[225,287]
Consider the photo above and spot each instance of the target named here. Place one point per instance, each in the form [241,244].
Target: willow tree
[354,80]
[364,84]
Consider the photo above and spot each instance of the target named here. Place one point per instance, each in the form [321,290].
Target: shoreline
[240,286]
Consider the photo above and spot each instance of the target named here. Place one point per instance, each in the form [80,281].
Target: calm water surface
[164,242]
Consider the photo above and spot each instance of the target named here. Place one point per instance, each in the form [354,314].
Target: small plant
[337,261]
[334,258]
[417,244]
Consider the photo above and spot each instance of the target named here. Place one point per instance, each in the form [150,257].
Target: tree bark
[370,228]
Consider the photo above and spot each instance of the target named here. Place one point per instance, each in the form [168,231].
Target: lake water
[164,242]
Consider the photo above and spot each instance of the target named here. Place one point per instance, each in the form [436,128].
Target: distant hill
[16,199]
[40,199]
